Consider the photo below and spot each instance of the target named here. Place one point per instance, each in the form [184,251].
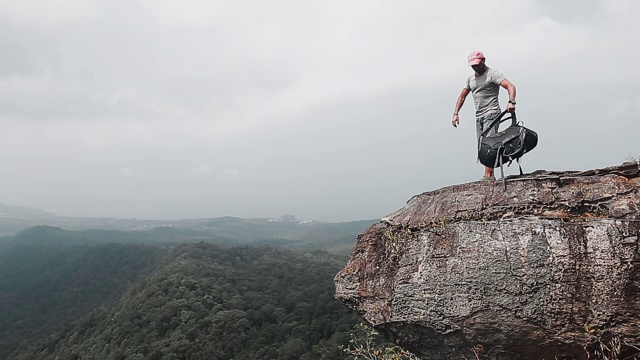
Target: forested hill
[276,275]
[43,286]
[207,302]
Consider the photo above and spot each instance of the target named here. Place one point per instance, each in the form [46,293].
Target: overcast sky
[326,110]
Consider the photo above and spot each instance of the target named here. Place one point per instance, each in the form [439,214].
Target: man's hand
[511,107]
[455,121]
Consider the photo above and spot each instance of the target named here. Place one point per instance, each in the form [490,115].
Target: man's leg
[488,172]
[480,127]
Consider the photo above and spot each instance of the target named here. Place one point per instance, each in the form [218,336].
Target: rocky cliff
[548,268]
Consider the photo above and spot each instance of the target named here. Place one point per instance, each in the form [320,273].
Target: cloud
[123,94]
[320,102]
[230,172]
[202,169]
[47,14]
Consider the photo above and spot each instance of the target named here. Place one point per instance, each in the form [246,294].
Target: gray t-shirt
[485,90]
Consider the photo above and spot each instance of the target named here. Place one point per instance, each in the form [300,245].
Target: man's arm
[463,95]
[512,94]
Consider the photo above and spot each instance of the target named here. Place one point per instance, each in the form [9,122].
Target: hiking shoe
[488,178]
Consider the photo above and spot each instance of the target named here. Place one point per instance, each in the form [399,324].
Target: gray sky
[328,110]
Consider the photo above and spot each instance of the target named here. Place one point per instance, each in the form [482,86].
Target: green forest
[137,295]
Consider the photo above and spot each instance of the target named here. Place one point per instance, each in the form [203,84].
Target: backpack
[506,145]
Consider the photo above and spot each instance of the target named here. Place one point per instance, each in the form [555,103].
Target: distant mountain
[12,211]
[51,235]
[335,237]
[16,218]
[332,237]
[13,219]
[206,302]
[338,238]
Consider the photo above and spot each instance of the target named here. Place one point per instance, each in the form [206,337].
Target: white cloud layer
[332,109]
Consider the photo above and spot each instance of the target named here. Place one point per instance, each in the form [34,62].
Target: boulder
[547,269]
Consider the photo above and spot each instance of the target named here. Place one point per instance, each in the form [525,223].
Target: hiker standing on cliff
[484,85]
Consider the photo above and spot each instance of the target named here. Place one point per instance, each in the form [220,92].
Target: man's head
[476,61]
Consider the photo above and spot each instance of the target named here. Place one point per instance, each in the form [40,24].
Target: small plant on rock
[367,344]
[603,345]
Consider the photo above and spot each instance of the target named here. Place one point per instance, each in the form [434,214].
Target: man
[484,85]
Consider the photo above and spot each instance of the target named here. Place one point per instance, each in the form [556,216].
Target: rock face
[549,268]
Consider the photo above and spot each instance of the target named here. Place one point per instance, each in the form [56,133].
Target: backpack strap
[495,165]
[498,120]
[519,167]
[498,157]
[504,182]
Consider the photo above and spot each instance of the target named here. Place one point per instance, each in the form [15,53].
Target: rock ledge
[543,270]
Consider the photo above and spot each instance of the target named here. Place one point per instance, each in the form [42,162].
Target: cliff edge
[548,269]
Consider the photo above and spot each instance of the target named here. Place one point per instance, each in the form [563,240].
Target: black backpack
[506,145]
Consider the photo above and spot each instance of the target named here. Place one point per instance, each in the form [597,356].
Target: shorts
[483,122]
